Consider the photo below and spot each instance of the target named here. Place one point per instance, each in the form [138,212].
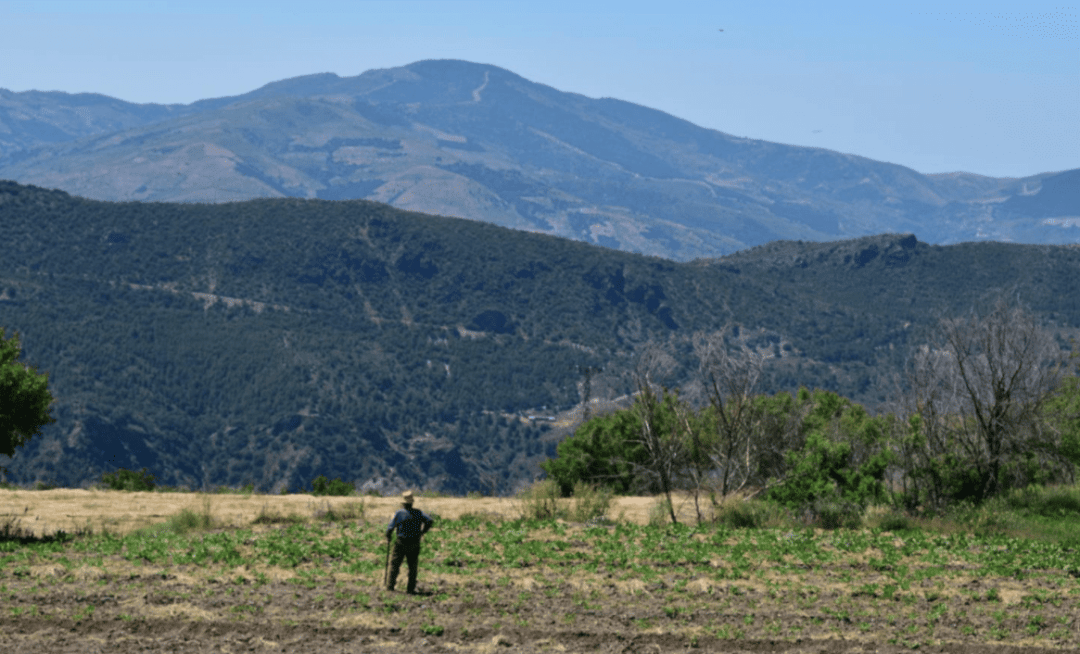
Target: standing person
[411,524]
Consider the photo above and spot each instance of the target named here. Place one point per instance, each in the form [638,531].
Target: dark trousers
[404,549]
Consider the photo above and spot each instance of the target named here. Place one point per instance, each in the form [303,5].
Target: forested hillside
[270,341]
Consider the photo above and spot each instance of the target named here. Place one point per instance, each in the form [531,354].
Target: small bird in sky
[721,30]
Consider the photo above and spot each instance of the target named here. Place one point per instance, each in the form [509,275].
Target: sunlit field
[234,572]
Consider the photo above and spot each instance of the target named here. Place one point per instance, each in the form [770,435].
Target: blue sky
[985,87]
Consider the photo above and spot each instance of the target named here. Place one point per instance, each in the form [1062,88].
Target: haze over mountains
[471,140]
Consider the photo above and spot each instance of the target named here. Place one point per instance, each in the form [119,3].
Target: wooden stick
[386,568]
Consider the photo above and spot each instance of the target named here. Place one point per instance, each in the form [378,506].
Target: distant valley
[476,141]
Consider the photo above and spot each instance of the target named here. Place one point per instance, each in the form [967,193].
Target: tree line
[991,403]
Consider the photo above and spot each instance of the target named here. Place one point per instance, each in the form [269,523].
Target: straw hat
[407,497]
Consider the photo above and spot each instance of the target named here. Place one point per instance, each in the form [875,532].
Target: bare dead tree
[730,376]
[933,406]
[663,444]
[587,374]
[697,438]
[978,395]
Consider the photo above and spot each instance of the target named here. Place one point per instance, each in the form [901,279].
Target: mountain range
[476,141]
[273,340]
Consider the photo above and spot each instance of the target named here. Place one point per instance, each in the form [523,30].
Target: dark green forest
[271,341]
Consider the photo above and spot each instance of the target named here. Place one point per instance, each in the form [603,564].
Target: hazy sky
[985,87]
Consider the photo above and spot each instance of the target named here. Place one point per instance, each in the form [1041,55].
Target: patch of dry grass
[40,513]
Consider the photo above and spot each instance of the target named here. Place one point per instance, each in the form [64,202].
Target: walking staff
[411,524]
[386,566]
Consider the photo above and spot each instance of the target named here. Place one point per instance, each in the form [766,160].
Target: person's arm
[390,529]
[427,523]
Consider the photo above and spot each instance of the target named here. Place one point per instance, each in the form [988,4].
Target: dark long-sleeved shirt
[410,523]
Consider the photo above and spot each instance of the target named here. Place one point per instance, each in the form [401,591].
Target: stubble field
[234,573]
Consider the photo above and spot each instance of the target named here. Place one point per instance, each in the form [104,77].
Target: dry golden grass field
[44,512]
[190,572]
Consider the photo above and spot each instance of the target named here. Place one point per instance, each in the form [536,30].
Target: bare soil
[171,613]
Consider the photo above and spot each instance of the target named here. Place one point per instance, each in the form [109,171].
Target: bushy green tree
[1063,413]
[843,459]
[24,398]
[601,451]
[778,430]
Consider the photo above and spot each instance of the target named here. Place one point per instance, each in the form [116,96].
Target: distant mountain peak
[474,140]
[443,67]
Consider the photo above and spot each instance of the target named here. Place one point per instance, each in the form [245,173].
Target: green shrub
[739,516]
[949,479]
[749,514]
[842,461]
[246,489]
[894,521]
[322,486]
[11,530]
[345,511]
[540,501]
[836,514]
[823,472]
[129,480]
[1045,502]
[269,517]
[983,519]
[188,520]
[590,502]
